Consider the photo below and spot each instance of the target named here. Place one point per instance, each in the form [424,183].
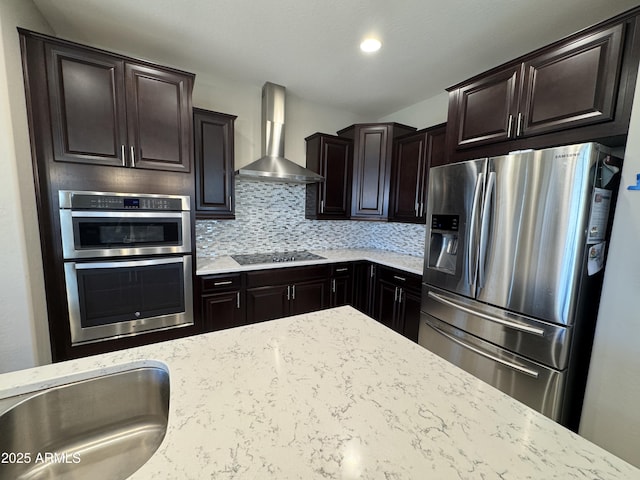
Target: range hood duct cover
[273,165]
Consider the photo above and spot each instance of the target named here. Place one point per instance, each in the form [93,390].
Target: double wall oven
[127,263]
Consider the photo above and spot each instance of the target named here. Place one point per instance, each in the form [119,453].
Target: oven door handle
[126,263]
[121,214]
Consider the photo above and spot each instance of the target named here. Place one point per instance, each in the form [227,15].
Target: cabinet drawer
[398,277]
[341,269]
[215,283]
[281,276]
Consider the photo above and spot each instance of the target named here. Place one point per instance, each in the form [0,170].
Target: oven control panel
[102,201]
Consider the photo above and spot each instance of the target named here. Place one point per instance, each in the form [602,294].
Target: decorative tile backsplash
[270,217]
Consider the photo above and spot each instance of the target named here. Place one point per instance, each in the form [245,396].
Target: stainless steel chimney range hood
[273,165]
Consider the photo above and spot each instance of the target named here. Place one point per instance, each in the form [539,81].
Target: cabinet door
[214,164]
[438,147]
[88,115]
[222,310]
[308,297]
[341,291]
[407,179]
[386,304]
[364,287]
[409,314]
[336,164]
[486,108]
[370,195]
[267,303]
[573,85]
[159,118]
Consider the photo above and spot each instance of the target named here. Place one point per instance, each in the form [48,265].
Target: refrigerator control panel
[447,223]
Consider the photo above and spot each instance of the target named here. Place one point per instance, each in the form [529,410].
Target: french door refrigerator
[513,268]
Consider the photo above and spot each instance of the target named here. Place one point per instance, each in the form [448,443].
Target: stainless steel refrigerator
[513,269]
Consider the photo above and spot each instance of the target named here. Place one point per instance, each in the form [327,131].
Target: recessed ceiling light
[370,45]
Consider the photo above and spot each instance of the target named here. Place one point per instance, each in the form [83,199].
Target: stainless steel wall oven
[127,263]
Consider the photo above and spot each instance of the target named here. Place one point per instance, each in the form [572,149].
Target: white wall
[611,415]
[426,113]
[24,336]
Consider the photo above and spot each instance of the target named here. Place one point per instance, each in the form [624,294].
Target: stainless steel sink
[105,427]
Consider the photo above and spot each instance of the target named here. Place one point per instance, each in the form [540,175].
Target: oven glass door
[119,298]
[106,234]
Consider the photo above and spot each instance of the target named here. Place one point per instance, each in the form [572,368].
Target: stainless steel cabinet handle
[395,295]
[333,285]
[342,269]
[417,209]
[288,292]
[124,155]
[226,282]
[513,366]
[321,206]
[238,300]
[400,292]
[509,126]
[402,279]
[516,326]
[421,209]
[133,157]
[293,292]
[519,127]
[373,271]
[230,202]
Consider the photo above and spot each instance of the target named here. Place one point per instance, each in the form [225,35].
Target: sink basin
[105,427]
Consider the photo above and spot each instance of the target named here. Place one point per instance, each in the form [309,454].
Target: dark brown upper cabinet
[577,89]
[331,157]
[214,164]
[413,154]
[110,110]
[484,108]
[572,85]
[373,148]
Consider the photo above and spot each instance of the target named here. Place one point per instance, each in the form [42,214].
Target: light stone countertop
[335,395]
[226,264]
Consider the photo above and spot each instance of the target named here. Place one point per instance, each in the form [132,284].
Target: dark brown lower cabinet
[267,303]
[223,310]
[308,296]
[281,292]
[222,301]
[341,285]
[364,276]
[390,296]
[397,301]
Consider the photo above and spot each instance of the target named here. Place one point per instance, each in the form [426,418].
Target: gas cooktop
[275,257]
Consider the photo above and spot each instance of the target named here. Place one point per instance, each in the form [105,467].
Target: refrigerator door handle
[471,260]
[516,326]
[513,366]
[484,231]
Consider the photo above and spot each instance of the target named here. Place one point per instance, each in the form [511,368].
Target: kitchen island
[334,394]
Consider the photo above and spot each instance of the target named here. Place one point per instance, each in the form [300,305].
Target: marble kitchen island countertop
[226,264]
[335,395]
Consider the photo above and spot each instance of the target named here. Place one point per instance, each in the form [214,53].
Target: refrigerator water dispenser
[443,245]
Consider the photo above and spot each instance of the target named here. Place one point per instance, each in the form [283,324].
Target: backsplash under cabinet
[270,217]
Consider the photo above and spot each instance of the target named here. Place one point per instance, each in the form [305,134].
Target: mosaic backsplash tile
[270,217]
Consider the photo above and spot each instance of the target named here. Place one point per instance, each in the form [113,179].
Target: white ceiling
[311,46]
